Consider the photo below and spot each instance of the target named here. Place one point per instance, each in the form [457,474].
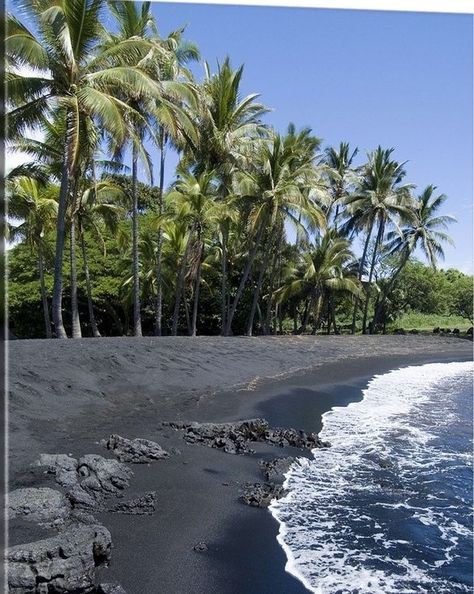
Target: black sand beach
[66,396]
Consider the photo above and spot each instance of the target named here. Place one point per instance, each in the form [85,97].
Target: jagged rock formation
[42,505]
[274,471]
[144,505]
[89,480]
[261,495]
[234,438]
[63,563]
[136,451]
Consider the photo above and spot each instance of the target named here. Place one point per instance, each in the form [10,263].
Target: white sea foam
[335,522]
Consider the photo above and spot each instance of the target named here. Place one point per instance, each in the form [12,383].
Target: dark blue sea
[388,507]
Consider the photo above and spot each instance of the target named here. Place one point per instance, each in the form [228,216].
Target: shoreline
[198,490]
[365,387]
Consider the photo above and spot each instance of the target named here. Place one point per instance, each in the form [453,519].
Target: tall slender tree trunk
[295,320]
[197,287]
[224,281]
[307,312]
[273,272]
[361,272]
[180,282]
[317,313]
[75,320]
[186,313]
[90,305]
[256,294]
[159,243]
[333,315]
[60,231]
[44,297]
[328,330]
[243,280]
[137,321]
[279,317]
[371,274]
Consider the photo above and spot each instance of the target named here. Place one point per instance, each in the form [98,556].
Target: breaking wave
[388,507]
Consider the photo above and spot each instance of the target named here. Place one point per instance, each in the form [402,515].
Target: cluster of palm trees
[270,216]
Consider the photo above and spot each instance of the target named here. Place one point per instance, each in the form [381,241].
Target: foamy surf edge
[429,375]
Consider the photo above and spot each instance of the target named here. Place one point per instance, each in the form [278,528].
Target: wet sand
[66,396]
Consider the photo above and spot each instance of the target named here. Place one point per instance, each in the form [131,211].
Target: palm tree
[74,74]
[340,161]
[35,208]
[175,128]
[193,197]
[96,209]
[425,228]
[380,200]
[228,125]
[133,22]
[322,270]
[164,113]
[276,190]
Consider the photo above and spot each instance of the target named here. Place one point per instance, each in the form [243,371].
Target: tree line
[259,231]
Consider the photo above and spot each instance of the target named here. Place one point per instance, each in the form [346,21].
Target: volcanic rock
[63,563]
[136,451]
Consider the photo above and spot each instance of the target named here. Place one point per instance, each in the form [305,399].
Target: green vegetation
[428,322]
[101,252]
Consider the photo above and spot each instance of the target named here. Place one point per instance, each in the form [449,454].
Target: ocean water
[388,507]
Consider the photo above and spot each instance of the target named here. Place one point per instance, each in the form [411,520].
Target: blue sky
[402,80]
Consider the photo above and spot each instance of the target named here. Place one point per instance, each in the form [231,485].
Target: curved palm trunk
[44,297]
[137,321]
[180,282]
[197,286]
[159,244]
[60,231]
[361,271]
[243,280]
[90,305]
[371,274]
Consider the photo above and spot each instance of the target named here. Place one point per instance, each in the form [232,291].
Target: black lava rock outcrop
[43,505]
[63,563]
[274,471]
[143,505]
[135,451]
[234,438]
[89,480]
[261,494]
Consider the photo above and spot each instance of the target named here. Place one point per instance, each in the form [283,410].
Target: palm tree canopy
[424,228]
[326,266]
